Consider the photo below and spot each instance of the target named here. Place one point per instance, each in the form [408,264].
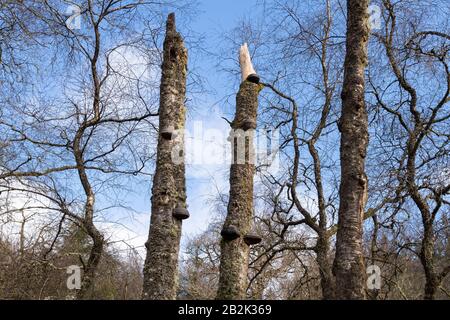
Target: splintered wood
[245,62]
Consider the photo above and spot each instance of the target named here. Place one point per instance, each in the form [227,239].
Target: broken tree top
[170,23]
[247,70]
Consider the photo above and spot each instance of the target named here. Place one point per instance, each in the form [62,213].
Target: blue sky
[204,181]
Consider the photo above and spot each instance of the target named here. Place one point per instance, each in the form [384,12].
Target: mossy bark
[169,187]
[348,264]
[235,253]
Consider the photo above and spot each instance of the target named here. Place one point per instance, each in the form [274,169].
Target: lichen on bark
[169,187]
[235,253]
[348,264]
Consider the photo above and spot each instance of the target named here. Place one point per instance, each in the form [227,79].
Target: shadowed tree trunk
[169,190]
[234,249]
[92,264]
[348,264]
[327,282]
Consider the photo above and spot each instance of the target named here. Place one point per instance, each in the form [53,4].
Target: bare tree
[92,128]
[419,118]
[301,197]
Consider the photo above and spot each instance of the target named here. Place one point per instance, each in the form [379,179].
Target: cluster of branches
[407,93]
[75,112]
[78,107]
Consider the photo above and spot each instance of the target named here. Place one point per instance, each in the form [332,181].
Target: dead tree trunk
[169,187]
[348,264]
[235,233]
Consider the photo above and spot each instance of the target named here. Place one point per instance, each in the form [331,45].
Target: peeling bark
[169,187]
[235,253]
[348,264]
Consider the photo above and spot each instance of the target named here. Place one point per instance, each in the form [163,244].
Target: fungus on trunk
[234,250]
[169,186]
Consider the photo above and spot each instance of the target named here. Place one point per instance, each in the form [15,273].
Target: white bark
[245,62]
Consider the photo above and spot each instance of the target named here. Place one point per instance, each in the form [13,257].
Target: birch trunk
[169,190]
[348,264]
[235,252]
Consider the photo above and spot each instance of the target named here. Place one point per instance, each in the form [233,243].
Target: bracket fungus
[230,233]
[252,239]
[168,133]
[180,213]
[248,125]
[253,77]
